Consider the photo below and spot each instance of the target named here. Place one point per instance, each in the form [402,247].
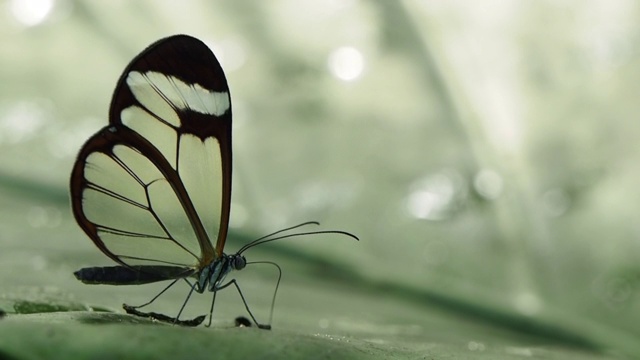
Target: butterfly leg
[261,326]
[213,301]
[186,300]
[155,297]
[164,318]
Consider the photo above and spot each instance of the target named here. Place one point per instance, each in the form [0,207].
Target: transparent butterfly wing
[154,187]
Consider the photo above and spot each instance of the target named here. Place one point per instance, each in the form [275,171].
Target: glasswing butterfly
[153,188]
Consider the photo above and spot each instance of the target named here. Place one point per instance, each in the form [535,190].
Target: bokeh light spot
[488,184]
[346,63]
[31,12]
[437,196]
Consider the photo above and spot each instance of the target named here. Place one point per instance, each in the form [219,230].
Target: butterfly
[152,189]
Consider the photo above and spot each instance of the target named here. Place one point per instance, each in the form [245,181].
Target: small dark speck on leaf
[242,321]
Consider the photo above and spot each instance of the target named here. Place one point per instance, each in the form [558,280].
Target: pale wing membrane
[154,95]
[136,212]
[163,99]
[200,166]
[160,134]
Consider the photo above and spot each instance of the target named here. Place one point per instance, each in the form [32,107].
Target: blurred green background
[485,153]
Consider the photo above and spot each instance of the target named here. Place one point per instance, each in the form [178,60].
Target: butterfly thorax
[212,276]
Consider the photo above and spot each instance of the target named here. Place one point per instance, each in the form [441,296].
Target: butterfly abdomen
[135,275]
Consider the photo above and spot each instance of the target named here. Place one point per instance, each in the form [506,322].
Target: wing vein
[166,100]
[114,231]
[163,226]
[126,168]
[115,195]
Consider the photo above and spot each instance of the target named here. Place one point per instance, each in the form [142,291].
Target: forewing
[154,187]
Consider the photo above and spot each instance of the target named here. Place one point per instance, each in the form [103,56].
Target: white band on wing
[152,89]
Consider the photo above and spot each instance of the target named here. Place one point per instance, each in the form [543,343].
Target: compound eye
[239,262]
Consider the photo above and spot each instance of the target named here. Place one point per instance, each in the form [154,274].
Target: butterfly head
[237,262]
